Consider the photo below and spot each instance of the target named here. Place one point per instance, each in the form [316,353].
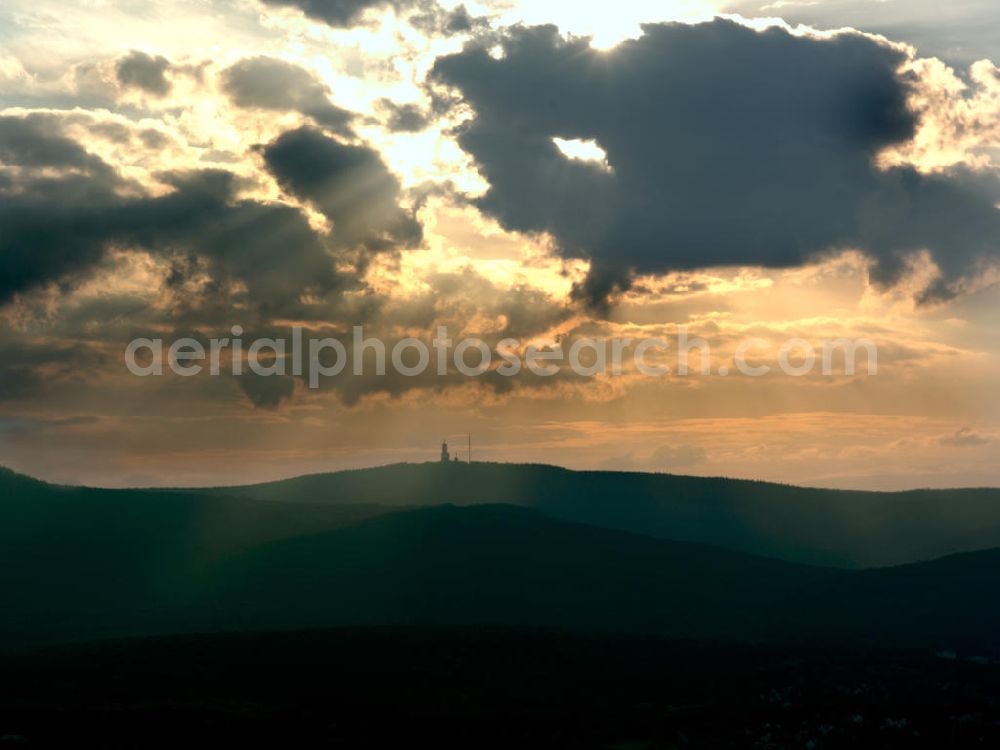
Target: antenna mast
[470,447]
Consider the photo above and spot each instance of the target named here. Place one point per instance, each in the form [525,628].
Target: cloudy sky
[539,170]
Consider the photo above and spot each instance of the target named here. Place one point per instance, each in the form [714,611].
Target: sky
[550,172]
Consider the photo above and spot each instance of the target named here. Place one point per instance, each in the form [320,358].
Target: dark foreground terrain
[470,607]
[489,688]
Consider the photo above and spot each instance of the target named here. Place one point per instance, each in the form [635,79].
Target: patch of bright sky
[458,237]
[47,33]
[582,150]
[606,23]
[386,59]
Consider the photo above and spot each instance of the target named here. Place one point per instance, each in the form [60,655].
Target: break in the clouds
[725,146]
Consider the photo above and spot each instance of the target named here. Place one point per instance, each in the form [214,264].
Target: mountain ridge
[568,470]
[842,528]
[494,564]
[89,563]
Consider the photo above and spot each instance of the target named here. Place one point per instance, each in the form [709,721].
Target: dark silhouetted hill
[85,563]
[952,602]
[816,526]
[509,565]
[73,555]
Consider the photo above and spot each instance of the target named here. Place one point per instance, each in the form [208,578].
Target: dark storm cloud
[952,216]
[727,146]
[339,13]
[36,140]
[56,226]
[42,241]
[349,184]
[146,72]
[431,18]
[49,226]
[112,131]
[270,247]
[403,118]
[269,83]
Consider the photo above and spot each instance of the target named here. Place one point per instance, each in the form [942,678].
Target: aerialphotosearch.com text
[317,358]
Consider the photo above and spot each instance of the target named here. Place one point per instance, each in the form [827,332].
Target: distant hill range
[80,563]
[817,526]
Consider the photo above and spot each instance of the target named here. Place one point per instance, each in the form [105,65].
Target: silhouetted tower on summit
[446,457]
